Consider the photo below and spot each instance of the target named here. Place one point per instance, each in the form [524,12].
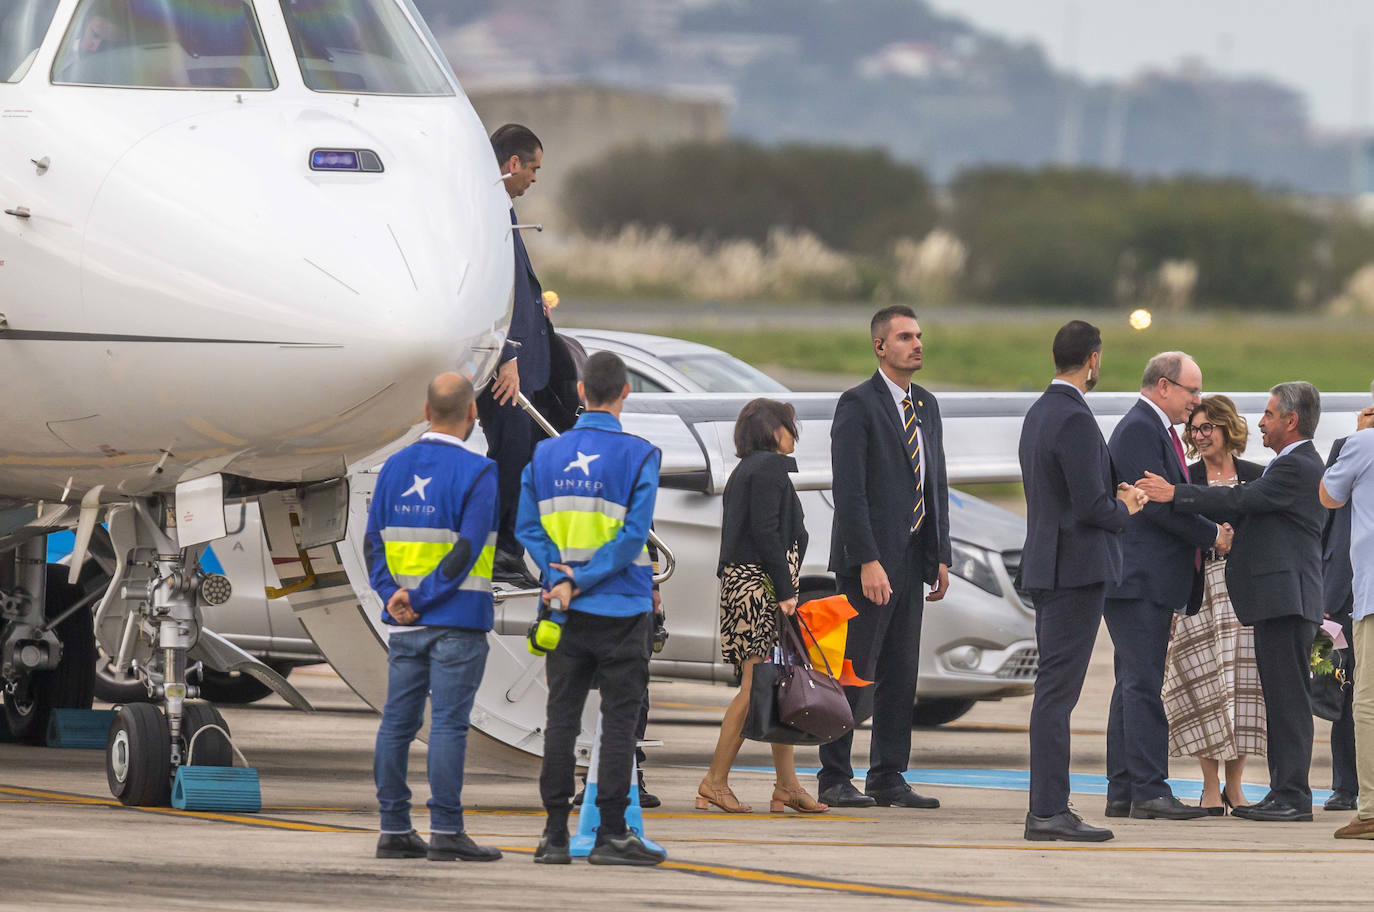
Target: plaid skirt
[1212,693]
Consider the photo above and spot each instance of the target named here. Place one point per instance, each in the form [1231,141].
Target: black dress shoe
[1118,809]
[511,568]
[646,799]
[1278,812]
[624,849]
[1166,807]
[401,845]
[900,796]
[459,847]
[845,795]
[1066,826]
[1341,800]
[1244,811]
[553,850]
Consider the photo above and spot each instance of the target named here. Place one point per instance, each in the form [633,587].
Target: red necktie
[1183,464]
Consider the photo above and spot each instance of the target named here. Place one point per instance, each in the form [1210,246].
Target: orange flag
[828,621]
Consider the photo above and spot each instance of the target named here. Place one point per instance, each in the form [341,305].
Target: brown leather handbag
[810,700]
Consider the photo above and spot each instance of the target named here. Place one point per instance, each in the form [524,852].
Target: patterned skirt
[1212,693]
[748,615]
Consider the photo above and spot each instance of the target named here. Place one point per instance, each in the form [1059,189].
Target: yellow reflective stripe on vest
[479,577]
[412,561]
[580,504]
[570,530]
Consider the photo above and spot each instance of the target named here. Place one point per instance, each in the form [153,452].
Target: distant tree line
[1051,236]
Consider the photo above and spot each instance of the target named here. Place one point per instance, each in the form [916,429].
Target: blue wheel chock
[81,729]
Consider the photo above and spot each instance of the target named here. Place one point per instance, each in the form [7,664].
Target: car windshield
[363,47]
[721,373]
[23,23]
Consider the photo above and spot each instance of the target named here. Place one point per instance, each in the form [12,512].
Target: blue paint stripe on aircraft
[60,545]
[1019,781]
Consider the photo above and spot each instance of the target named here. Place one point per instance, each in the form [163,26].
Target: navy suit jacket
[1246,472]
[1072,514]
[1158,545]
[1275,566]
[874,485]
[528,325]
[1338,576]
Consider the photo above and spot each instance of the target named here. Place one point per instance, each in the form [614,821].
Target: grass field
[1235,352]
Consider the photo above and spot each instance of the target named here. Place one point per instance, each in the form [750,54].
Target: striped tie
[913,448]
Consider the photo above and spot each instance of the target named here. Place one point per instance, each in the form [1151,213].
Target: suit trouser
[613,653]
[511,435]
[1283,653]
[1137,729]
[884,643]
[1363,648]
[1066,624]
[1345,775]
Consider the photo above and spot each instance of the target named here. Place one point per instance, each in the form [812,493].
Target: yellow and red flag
[828,620]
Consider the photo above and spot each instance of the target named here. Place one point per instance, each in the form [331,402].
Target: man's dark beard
[1090,383]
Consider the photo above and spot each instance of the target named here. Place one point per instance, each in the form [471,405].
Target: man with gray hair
[1161,559]
[1274,577]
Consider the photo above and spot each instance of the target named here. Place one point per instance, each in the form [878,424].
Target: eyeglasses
[1201,430]
[1191,390]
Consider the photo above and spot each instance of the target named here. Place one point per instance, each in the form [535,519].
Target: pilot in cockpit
[100,30]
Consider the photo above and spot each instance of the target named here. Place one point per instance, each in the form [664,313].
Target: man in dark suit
[1075,511]
[890,536]
[1161,554]
[1274,578]
[524,367]
[1338,604]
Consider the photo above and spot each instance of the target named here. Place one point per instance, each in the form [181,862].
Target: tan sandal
[722,798]
[796,799]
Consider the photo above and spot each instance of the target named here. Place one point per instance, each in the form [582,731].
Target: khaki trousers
[1363,713]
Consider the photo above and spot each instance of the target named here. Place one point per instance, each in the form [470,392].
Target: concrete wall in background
[578,124]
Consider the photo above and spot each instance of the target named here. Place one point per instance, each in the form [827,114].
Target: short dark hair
[758,421]
[517,140]
[603,378]
[877,327]
[1074,344]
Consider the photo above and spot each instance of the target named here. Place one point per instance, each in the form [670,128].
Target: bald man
[431,536]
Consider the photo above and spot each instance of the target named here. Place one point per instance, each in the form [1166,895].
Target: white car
[977,644]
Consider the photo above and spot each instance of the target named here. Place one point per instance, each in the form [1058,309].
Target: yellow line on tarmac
[752,875]
[668,704]
[264,822]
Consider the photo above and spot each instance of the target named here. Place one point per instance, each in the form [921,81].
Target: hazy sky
[1309,44]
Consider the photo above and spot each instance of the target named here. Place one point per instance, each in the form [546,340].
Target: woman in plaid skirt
[1212,693]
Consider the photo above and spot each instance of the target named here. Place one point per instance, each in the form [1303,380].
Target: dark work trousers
[1283,653]
[1137,729]
[1066,624]
[511,435]
[1343,777]
[613,652]
[884,643]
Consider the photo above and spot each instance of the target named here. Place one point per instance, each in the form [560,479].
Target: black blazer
[1158,545]
[874,486]
[1275,565]
[1246,472]
[1338,576]
[528,325]
[1072,514]
[762,517]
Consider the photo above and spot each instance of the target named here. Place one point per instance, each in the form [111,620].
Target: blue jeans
[446,664]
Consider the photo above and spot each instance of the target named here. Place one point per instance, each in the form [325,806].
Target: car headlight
[975,565]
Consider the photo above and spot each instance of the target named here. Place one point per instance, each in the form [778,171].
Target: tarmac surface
[65,844]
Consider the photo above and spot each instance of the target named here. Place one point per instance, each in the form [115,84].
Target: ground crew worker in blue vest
[586,502]
[431,537]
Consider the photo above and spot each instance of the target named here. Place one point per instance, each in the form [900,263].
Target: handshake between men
[1154,488]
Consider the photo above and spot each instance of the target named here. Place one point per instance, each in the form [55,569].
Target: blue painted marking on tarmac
[1019,781]
[60,545]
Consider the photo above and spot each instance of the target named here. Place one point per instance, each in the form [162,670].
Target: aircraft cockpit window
[165,44]
[365,47]
[23,23]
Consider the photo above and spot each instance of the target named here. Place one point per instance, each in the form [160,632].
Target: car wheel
[235,686]
[930,712]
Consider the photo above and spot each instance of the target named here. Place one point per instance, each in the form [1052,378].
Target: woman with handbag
[763,539]
[1212,695]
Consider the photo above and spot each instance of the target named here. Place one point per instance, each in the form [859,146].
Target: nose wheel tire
[138,757]
[211,748]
